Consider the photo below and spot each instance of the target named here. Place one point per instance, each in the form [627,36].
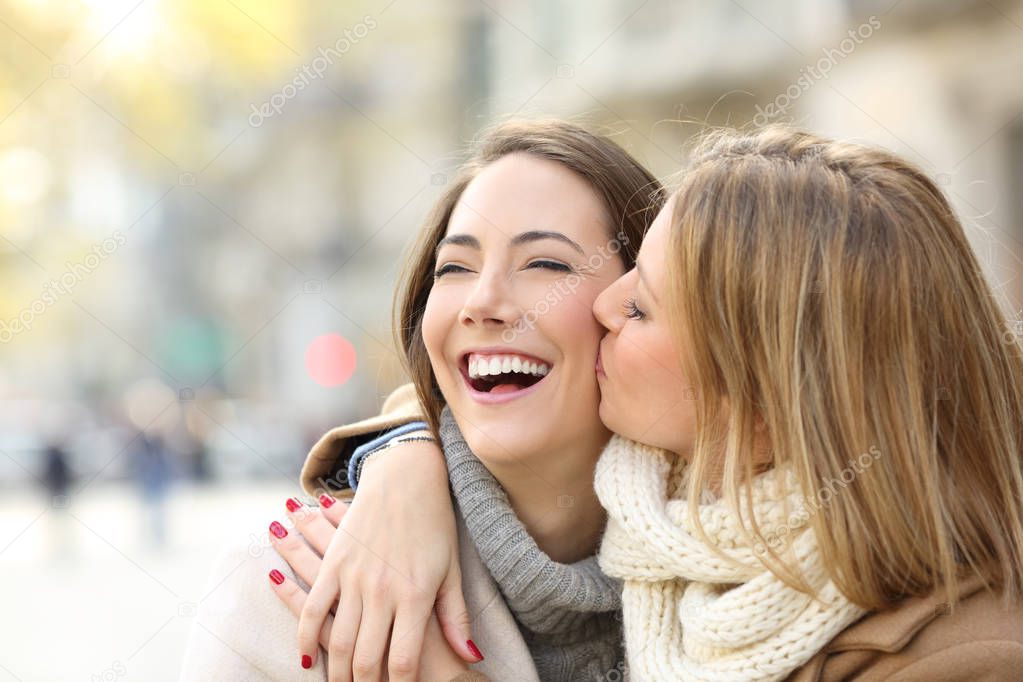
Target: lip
[489,398]
[600,365]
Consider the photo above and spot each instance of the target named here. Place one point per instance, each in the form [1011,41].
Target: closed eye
[632,311]
[448,268]
[550,265]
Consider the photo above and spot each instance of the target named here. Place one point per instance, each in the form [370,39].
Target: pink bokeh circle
[330,360]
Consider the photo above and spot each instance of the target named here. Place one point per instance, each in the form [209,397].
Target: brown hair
[835,301]
[631,195]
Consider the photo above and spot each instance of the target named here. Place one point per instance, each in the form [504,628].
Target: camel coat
[922,639]
[918,639]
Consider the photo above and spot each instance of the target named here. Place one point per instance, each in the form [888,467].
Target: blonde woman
[818,469]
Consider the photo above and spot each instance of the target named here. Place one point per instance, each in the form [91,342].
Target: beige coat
[493,626]
[917,640]
[243,633]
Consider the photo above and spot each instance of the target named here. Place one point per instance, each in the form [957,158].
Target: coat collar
[892,629]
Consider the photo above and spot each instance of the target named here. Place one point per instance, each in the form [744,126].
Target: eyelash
[450,267]
[632,311]
[544,264]
[551,265]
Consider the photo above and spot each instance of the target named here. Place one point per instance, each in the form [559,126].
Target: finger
[453,616]
[294,597]
[371,644]
[407,637]
[303,560]
[315,610]
[333,509]
[316,530]
[342,639]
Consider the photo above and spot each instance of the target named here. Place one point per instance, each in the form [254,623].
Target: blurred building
[220,184]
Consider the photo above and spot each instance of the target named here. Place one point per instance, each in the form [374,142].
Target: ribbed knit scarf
[569,614]
[689,613]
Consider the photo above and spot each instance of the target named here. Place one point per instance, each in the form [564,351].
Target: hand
[390,585]
[438,661]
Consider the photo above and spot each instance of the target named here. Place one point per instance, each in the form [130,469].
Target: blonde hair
[630,194]
[834,301]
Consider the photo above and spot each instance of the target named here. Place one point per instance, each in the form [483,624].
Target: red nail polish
[326,501]
[278,530]
[293,504]
[307,661]
[276,576]
[474,649]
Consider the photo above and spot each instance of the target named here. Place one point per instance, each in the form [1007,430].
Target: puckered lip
[491,398]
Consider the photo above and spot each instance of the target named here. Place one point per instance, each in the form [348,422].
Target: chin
[503,443]
[609,418]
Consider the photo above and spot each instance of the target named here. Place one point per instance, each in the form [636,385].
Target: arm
[313,531]
[326,468]
[394,556]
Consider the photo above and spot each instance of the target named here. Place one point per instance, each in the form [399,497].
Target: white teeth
[482,366]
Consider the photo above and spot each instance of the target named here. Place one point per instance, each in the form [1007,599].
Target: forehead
[520,192]
[653,250]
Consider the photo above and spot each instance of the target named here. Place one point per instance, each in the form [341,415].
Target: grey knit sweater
[569,614]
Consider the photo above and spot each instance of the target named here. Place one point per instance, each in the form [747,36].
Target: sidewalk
[86,596]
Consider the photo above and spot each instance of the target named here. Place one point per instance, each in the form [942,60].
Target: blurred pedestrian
[152,472]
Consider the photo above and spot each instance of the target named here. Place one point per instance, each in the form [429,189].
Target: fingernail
[307,661]
[474,649]
[276,576]
[326,501]
[278,530]
[293,504]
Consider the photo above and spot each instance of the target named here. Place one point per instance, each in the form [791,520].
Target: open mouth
[504,373]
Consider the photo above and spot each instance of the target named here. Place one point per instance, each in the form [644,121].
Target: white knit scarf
[689,613]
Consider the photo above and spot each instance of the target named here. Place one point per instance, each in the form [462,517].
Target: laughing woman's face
[508,324]
[645,394]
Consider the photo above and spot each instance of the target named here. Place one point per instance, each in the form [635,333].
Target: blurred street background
[204,205]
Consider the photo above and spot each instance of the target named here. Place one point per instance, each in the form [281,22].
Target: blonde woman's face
[644,393]
[508,324]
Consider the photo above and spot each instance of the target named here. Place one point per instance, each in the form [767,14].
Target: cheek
[572,325]
[647,362]
[438,317]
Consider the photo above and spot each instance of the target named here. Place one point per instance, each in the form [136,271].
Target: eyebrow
[518,240]
[539,235]
[458,240]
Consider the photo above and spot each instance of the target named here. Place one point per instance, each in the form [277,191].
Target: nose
[490,304]
[607,307]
